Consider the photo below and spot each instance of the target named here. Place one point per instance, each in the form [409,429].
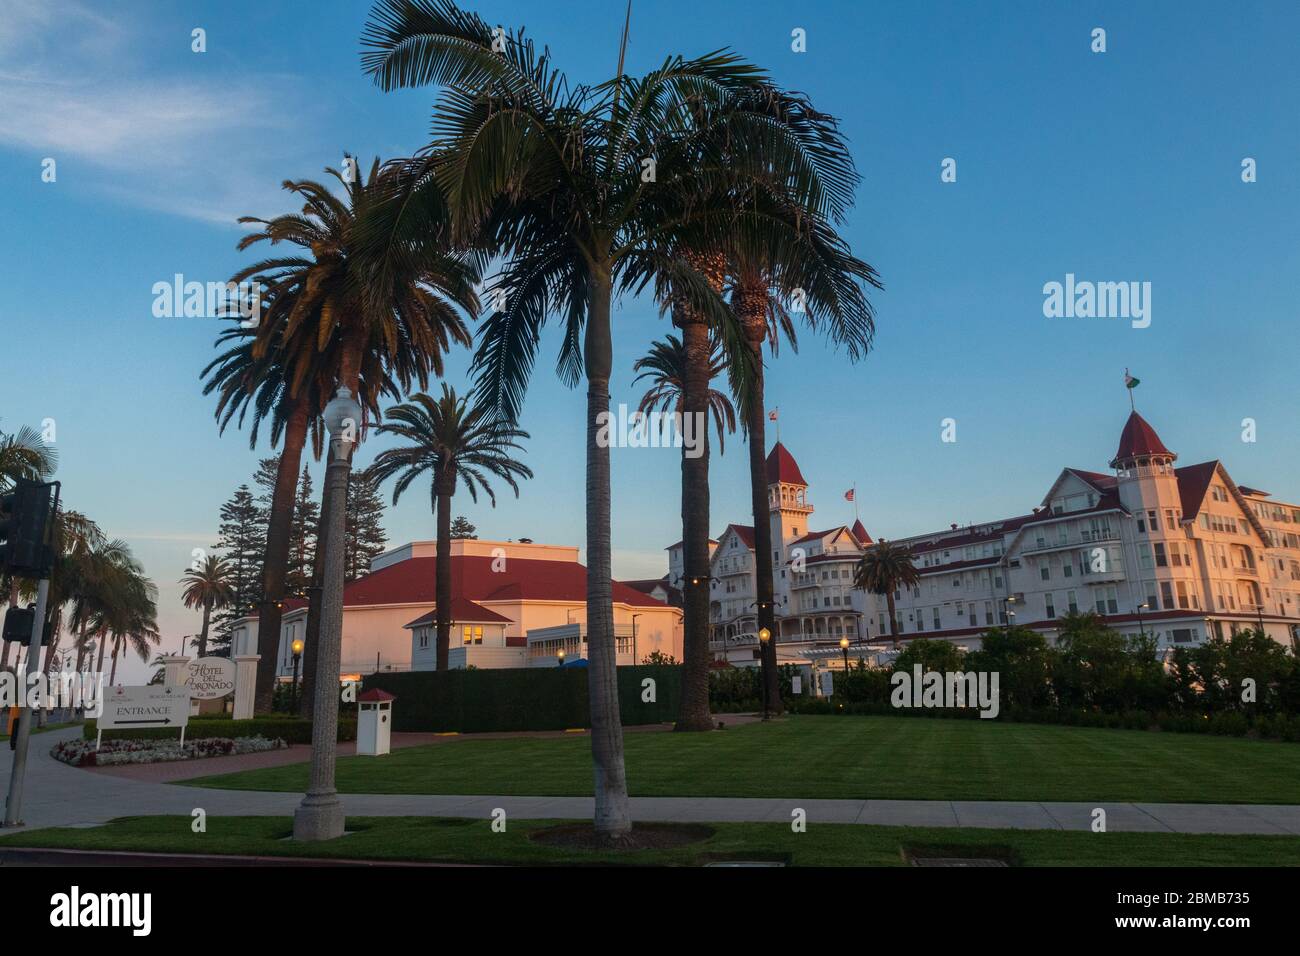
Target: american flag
[848,495]
[771,416]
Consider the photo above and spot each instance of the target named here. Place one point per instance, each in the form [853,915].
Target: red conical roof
[860,532]
[781,466]
[1139,439]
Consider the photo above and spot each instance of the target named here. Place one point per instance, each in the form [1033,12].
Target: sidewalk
[59,795]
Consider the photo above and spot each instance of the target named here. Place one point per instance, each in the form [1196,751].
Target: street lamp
[844,646]
[1142,631]
[764,635]
[296,647]
[634,657]
[560,657]
[1008,611]
[320,815]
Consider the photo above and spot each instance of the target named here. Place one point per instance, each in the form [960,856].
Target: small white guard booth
[374,722]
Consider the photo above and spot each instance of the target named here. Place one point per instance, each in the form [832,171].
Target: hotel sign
[210,678]
[133,708]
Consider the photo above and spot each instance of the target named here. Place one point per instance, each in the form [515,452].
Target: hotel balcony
[1085,538]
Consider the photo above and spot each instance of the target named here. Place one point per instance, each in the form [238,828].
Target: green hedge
[514,699]
[294,730]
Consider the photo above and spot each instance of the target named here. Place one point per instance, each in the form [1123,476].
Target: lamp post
[320,815]
[1259,610]
[634,657]
[844,646]
[296,647]
[764,635]
[560,657]
[1008,611]
[1142,631]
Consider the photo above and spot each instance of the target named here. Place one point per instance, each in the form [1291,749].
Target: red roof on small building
[860,532]
[478,578]
[374,696]
[463,611]
[781,466]
[1139,439]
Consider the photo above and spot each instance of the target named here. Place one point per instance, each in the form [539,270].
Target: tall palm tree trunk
[694,713]
[112,677]
[751,307]
[203,634]
[103,642]
[613,821]
[275,559]
[442,566]
[893,619]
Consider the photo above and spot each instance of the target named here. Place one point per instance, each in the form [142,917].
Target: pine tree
[462,528]
[364,537]
[302,538]
[241,540]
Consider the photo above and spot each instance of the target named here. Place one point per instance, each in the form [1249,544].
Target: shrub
[82,753]
[293,730]
[512,699]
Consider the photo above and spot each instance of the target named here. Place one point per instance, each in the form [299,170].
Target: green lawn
[841,757]
[472,841]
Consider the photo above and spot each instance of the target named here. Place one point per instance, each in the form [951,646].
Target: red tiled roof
[1138,439]
[969,536]
[1095,478]
[472,577]
[744,531]
[1246,490]
[463,611]
[781,466]
[860,532]
[815,535]
[375,695]
[1193,483]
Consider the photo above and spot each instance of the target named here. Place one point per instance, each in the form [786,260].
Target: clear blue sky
[1116,166]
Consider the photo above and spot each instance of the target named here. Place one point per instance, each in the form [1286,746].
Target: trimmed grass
[449,840]
[840,757]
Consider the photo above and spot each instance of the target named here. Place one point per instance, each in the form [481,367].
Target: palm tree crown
[665,366]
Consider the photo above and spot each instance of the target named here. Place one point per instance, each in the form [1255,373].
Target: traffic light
[26,520]
[18,626]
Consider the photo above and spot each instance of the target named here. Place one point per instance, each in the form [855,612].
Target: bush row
[514,699]
[294,730]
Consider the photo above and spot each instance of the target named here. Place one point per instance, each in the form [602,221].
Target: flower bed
[82,753]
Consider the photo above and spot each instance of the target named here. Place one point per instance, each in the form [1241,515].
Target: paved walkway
[59,795]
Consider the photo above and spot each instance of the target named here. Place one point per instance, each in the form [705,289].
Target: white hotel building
[1175,552]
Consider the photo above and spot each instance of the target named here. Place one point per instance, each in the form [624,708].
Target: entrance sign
[210,678]
[133,708]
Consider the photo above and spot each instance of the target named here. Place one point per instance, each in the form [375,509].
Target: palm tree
[373,312]
[23,455]
[209,586]
[884,568]
[587,192]
[804,262]
[667,365]
[451,438]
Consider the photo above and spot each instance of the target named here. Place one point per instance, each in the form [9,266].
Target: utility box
[374,722]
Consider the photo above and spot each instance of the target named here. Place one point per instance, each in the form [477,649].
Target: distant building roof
[1139,439]
[782,467]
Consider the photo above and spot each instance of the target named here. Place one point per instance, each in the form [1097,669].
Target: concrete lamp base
[318,818]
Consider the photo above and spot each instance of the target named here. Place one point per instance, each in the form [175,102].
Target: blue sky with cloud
[1117,166]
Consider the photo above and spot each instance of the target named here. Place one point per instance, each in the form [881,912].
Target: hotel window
[1161,560]
[1050,605]
[1166,595]
[1152,595]
[424,637]
[1045,573]
[478,635]
[1142,526]
[1170,523]
[1067,569]
[1153,521]
[1183,602]
[1107,600]
[974,618]
[988,613]
[468,633]
[937,625]
[1144,556]
[1182,635]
